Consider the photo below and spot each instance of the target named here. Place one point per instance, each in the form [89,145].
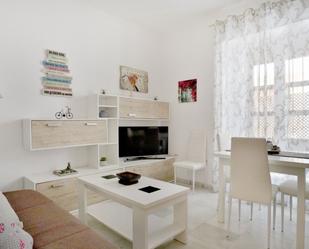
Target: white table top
[296,162]
[131,194]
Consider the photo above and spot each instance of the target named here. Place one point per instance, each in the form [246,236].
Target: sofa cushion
[12,236]
[52,227]
[48,223]
[7,213]
[23,199]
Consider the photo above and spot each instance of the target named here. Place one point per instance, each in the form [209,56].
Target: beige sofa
[50,226]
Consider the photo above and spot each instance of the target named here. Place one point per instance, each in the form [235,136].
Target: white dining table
[284,165]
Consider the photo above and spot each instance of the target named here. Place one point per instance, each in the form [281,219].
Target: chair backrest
[223,142]
[196,147]
[250,176]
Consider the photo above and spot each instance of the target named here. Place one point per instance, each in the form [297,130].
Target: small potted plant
[103,161]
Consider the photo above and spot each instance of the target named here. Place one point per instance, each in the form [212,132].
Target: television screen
[143,141]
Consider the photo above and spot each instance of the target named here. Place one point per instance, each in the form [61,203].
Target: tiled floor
[205,232]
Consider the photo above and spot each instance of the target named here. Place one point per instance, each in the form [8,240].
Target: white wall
[95,43]
[189,54]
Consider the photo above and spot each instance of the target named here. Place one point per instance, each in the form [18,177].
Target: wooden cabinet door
[64,193]
[161,110]
[143,109]
[49,134]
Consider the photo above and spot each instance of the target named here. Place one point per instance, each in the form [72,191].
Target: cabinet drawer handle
[91,124]
[56,185]
[132,115]
[53,125]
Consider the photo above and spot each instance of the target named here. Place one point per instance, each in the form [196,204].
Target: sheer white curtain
[262,75]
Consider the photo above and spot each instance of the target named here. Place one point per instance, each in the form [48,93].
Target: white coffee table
[129,211]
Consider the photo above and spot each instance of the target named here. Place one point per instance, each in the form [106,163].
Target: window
[297,94]
[263,110]
[297,79]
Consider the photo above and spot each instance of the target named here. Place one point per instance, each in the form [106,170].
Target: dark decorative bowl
[275,150]
[128,178]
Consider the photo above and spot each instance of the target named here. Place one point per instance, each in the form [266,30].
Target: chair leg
[193,180]
[291,206]
[274,211]
[175,176]
[251,212]
[229,217]
[218,201]
[239,210]
[282,212]
[268,226]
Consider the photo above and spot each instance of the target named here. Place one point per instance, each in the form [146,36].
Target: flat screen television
[143,141]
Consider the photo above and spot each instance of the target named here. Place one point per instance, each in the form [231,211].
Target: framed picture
[187,91]
[132,79]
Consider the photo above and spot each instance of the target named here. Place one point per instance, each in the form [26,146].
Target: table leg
[181,218]
[221,195]
[82,203]
[140,229]
[300,233]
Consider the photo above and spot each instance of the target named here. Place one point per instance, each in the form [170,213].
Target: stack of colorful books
[56,80]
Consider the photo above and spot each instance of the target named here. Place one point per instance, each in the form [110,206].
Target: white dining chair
[289,187]
[250,176]
[223,144]
[195,158]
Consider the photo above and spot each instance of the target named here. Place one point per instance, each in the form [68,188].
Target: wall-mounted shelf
[144,119]
[57,134]
[103,106]
[142,109]
[98,132]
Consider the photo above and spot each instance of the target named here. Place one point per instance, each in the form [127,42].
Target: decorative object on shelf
[128,178]
[103,91]
[67,171]
[156,98]
[56,80]
[64,114]
[132,79]
[103,161]
[187,91]
[272,149]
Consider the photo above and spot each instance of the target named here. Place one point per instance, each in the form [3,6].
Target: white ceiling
[160,13]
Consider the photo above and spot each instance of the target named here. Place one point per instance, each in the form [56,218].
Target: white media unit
[99,134]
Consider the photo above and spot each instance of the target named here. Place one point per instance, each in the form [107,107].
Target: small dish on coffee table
[128,178]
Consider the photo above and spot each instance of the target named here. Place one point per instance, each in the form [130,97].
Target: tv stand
[143,158]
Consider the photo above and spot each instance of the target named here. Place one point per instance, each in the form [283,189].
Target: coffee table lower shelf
[119,219]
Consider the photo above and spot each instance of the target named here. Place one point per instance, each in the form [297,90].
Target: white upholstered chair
[223,144]
[289,187]
[250,176]
[195,159]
